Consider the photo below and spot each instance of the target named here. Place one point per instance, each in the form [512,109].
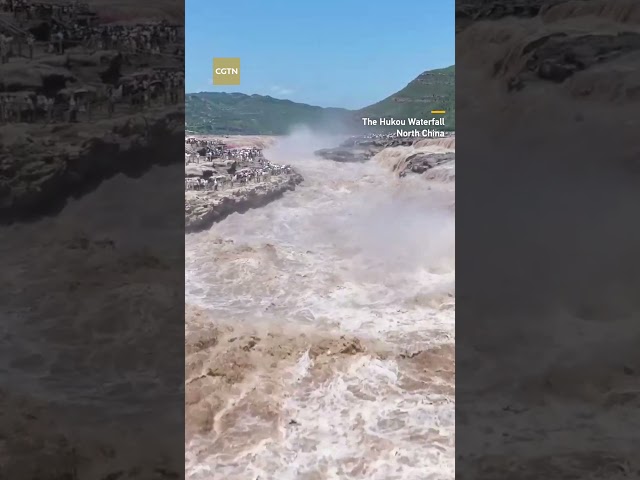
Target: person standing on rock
[111,102]
[104,38]
[4,109]
[167,88]
[145,92]
[30,42]
[172,90]
[48,109]
[60,42]
[89,107]
[30,109]
[41,104]
[73,109]
[3,49]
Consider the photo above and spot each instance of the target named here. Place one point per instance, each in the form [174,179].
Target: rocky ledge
[203,208]
[345,155]
[429,164]
[42,166]
[361,149]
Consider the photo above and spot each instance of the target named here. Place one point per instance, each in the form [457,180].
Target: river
[352,251]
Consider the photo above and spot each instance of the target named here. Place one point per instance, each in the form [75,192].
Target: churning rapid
[320,329]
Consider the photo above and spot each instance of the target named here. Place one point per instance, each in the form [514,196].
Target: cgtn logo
[226,71]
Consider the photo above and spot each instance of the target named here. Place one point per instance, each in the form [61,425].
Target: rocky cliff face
[434,159]
[43,166]
[361,149]
[563,80]
[422,162]
[205,207]
[587,48]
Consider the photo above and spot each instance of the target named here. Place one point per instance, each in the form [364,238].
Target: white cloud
[281,90]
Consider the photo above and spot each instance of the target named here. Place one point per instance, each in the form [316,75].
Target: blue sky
[331,53]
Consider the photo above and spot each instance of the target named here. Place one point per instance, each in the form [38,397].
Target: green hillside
[432,90]
[237,113]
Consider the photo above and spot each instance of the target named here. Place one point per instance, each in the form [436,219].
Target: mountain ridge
[254,114]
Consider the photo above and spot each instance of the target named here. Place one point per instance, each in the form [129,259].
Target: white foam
[355,250]
[359,421]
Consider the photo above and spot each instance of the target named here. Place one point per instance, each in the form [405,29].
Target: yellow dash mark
[441,112]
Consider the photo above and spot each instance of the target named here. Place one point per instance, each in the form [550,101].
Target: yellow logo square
[226,71]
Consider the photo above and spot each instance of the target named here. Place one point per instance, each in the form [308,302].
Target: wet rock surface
[554,41]
[224,175]
[78,404]
[53,148]
[559,56]
[553,71]
[474,10]
[361,149]
[341,154]
[422,162]
[205,207]
[42,167]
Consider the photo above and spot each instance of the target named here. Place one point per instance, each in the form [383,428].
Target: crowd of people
[29,17]
[256,168]
[382,136]
[23,9]
[15,108]
[154,39]
[147,89]
[65,29]
[263,173]
[378,136]
[82,104]
[209,150]
[72,24]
